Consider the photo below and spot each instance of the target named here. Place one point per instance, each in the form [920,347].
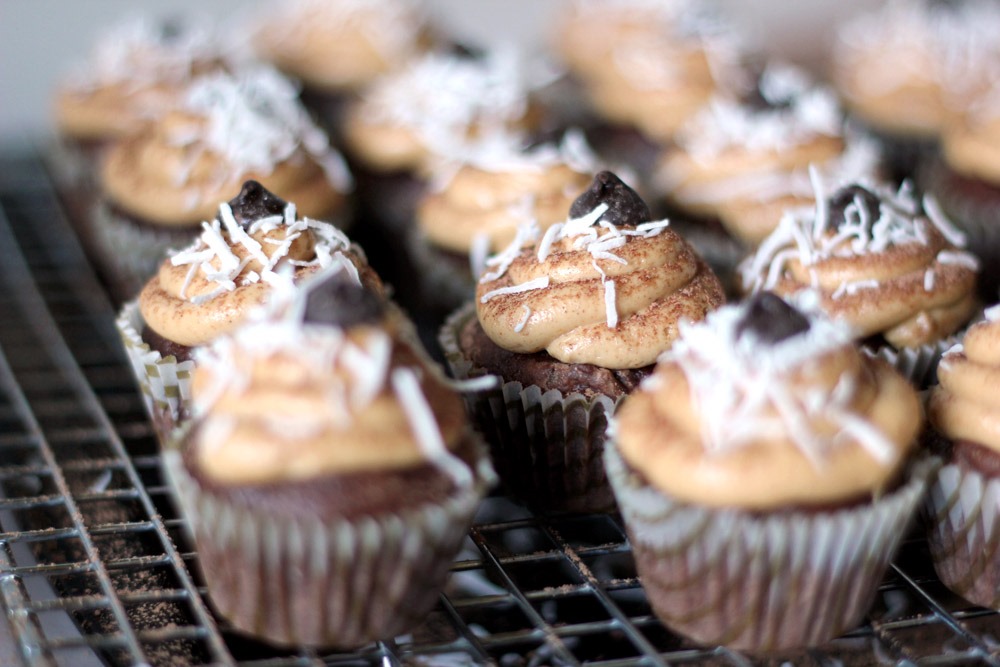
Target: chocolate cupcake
[887,263]
[744,160]
[211,287]
[475,210]
[761,445]
[571,320]
[228,128]
[336,48]
[328,477]
[961,506]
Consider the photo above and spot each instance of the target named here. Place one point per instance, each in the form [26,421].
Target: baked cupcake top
[480,205]
[433,108]
[228,128]
[320,389]
[606,287]
[907,67]
[964,406]
[970,143]
[256,242]
[768,405]
[133,72]
[886,263]
[341,44]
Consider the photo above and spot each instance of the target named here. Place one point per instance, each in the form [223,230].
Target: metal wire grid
[95,568]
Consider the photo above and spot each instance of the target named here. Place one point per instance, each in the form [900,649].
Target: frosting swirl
[341,44]
[285,400]
[255,243]
[964,406]
[970,143]
[606,288]
[885,263]
[738,415]
[501,187]
[133,73]
[228,128]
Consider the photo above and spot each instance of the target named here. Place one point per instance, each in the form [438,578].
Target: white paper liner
[165,384]
[962,512]
[547,447]
[761,582]
[339,582]
[916,364]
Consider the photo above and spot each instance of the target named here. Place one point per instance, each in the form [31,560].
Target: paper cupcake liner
[761,582]
[164,382]
[916,364]
[442,285]
[547,447]
[338,582]
[962,512]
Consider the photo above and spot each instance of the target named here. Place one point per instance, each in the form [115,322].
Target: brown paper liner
[338,583]
[962,513]
[547,447]
[761,582]
[164,383]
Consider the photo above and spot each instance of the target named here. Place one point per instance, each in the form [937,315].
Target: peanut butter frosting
[965,405]
[607,286]
[228,128]
[257,242]
[341,44]
[970,144]
[502,186]
[885,263]
[287,399]
[909,67]
[431,110]
[763,406]
[134,72]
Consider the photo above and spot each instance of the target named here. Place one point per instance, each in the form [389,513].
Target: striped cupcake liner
[761,582]
[962,513]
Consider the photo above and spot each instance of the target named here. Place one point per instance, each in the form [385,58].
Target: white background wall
[40,39]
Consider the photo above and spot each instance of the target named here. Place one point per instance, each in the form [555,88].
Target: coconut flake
[525,314]
[538,283]
[610,308]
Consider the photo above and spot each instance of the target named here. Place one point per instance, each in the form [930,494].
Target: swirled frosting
[256,242]
[965,405]
[431,109]
[286,399]
[605,287]
[341,44]
[908,67]
[502,186]
[763,406]
[886,263]
[970,144]
[228,128]
[133,73]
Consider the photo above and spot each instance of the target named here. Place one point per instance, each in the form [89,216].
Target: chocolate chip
[770,319]
[846,196]
[340,301]
[255,202]
[625,206]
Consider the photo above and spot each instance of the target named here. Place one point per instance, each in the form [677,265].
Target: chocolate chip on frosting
[857,195]
[255,202]
[340,301]
[771,319]
[625,206]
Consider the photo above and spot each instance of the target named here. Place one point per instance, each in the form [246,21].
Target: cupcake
[328,476]
[136,70]
[336,48]
[961,506]
[160,184]
[743,161]
[209,288]
[476,209]
[571,321]
[906,68]
[764,443]
[888,264]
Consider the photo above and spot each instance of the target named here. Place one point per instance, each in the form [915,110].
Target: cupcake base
[761,582]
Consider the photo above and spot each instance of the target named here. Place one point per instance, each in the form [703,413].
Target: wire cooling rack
[95,568]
